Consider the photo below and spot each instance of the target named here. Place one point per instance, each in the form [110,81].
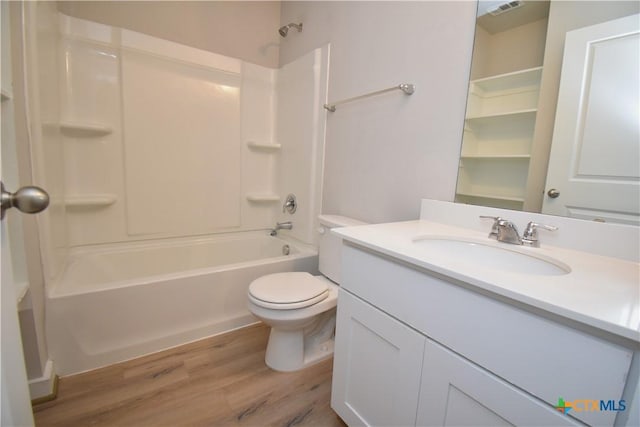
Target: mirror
[513,92]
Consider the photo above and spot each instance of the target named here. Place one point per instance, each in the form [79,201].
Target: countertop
[601,292]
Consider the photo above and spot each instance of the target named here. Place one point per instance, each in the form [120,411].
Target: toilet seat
[287,291]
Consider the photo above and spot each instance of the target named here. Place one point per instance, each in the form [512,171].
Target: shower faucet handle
[290,204]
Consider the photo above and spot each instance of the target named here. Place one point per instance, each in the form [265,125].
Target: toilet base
[292,350]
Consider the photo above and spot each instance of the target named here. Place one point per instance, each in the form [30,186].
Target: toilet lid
[287,291]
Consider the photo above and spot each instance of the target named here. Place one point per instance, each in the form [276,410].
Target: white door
[15,409]
[594,168]
[16,405]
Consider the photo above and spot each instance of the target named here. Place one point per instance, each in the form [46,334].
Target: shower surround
[164,143]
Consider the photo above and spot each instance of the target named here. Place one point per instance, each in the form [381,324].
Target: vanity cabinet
[388,374]
[417,348]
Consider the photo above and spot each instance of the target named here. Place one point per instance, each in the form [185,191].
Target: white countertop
[600,291]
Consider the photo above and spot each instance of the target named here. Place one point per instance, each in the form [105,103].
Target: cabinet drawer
[548,359]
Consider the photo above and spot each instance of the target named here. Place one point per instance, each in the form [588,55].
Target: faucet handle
[290,204]
[530,234]
[493,234]
[495,218]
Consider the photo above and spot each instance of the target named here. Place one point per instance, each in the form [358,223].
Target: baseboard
[44,388]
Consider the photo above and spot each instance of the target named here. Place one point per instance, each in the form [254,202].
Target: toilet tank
[330,245]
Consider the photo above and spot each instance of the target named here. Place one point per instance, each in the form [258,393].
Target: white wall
[515,49]
[384,154]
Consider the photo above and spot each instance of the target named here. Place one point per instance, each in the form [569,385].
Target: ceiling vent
[506,7]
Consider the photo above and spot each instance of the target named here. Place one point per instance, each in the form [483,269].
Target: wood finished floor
[219,381]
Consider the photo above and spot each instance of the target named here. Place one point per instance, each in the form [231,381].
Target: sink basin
[492,257]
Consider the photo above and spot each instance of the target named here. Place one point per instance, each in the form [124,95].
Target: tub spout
[281,226]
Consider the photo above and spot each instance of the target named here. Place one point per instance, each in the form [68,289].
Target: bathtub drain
[285,249]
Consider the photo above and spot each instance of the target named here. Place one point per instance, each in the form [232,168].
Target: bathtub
[117,302]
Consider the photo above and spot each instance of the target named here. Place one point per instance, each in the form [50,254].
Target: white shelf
[90,200]
[263,198]
[496,156]
[529,114]
[492,196]
[263,146]
[509,81]
[85,129]
[5,95]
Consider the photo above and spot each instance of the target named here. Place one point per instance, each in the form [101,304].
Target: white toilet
[301,308]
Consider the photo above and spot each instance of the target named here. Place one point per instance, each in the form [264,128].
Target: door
[594,172]
[16,405]
[15,409]
[376,366]
[456,392]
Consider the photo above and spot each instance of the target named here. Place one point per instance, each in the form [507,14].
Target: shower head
[285,29]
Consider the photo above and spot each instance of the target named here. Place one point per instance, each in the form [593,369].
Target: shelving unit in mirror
[498,132]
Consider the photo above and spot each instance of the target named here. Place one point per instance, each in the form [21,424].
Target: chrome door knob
[29,199]
[553,193]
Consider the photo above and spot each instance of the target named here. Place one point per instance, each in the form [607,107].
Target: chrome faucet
[505,231]
[287,225]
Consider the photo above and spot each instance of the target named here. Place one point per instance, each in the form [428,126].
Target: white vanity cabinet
[416,348]
[387,374]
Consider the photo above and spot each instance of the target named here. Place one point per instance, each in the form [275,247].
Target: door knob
[29,199]
[553,193]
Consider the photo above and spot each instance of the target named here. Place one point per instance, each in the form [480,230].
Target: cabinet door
[456,392]
[377,366]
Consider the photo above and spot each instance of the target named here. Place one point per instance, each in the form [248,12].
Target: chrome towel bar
[407,88]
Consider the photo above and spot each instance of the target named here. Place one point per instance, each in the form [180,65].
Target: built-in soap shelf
[22,287]
[5,95]
[90,200]
[263,198]
[264,146]
[84,129]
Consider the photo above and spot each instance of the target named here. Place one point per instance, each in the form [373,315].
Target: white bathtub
[116,302]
